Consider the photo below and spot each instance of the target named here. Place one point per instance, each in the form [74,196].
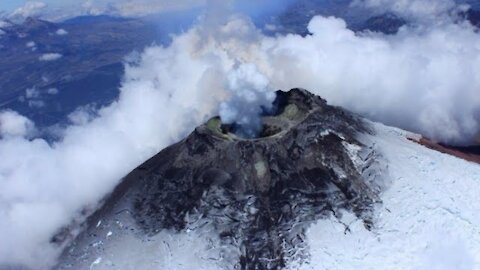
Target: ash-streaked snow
[166,250]
[428,219]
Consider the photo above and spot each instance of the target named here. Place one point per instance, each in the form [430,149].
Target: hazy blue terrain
[90,69]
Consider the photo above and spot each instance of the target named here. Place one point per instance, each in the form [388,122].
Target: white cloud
[156,107]
[83,115]
[249,92]
[31,8]
[420,79]
[50,57]
[13,124]
[61,32]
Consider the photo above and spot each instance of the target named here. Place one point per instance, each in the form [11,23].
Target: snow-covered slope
[429,218]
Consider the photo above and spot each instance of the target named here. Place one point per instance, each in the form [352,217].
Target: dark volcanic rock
[258,194]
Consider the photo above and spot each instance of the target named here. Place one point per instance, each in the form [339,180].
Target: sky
[11,5]
[60,9]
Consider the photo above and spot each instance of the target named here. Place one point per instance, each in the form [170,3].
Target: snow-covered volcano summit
[319,188]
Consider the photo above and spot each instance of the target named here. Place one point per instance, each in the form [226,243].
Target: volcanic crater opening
[267,130]
[286,111]
[271,121]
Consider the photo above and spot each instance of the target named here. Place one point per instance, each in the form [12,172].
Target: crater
[287,111]
[267,130]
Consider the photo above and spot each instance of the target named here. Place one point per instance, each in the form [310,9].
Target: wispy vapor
[250,92]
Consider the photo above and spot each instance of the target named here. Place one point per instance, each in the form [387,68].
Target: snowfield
[429,218]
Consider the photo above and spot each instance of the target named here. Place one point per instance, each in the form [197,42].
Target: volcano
[317,188]
[257,196]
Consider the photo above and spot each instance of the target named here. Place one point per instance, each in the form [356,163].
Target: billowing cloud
[13,124]
[250,93]
[45,186]
[420,79]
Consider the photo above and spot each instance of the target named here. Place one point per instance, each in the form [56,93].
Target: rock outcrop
[258,194]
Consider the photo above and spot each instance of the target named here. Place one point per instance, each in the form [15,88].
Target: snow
[166,250]
[126,247]
[428,219]
[96,262]
[50,57]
